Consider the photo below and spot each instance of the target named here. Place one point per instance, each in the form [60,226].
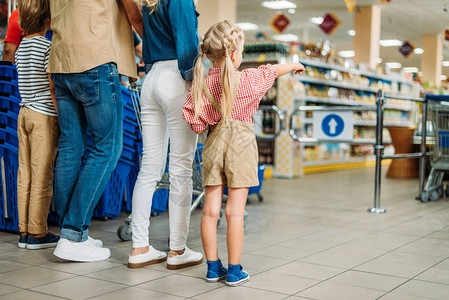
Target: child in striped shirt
[37,127]
[225,103]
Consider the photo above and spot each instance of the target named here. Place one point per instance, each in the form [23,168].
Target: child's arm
[287,68]
[52,92]
[188,113]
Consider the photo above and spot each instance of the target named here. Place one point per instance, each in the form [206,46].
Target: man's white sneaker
[187,259]
[80,251]
[153,256]
[95,242]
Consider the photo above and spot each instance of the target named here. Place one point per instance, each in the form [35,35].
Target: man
[92,44]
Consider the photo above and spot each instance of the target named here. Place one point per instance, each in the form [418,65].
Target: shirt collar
[215,70]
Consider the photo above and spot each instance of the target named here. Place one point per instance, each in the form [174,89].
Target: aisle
[311,238]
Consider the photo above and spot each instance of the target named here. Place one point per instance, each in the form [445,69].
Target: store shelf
[343,101]
[340,161]
[336,84]
[320,64]
[332,165]
[262,58]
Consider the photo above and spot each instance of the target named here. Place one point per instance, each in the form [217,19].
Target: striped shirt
[254,83]
[34,87]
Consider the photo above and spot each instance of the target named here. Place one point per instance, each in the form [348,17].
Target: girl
[224,102]
[170,47]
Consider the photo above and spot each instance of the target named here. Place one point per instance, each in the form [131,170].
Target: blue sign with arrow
[332,125]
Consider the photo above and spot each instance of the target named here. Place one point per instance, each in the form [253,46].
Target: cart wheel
[434,195]
[424,196]
[124,232]
[260,197]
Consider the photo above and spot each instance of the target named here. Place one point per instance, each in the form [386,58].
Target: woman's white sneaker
[80,251]
[95,242]
[187,259]
[153,256]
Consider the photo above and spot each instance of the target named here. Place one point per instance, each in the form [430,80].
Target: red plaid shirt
[254,83]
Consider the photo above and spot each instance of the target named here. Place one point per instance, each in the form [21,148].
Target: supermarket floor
[311,238]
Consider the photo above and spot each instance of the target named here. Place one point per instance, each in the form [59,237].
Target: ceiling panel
[401,19]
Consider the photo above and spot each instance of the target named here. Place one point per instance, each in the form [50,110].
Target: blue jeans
[91,99]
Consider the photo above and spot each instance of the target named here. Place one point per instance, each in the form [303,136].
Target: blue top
[171,32]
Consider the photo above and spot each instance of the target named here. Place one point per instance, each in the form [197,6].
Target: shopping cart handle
[437,97]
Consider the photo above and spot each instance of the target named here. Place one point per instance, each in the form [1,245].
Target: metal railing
[278,129]
[378,142]
[379,146]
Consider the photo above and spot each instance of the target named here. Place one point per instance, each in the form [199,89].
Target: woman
[170,48]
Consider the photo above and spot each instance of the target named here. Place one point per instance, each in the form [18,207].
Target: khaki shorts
[230,155]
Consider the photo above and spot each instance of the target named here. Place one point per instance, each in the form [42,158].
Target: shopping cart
[124,232]
[438,114]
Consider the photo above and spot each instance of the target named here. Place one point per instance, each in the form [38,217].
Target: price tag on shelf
[337,126]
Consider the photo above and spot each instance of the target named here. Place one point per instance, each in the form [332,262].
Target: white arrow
[332,126]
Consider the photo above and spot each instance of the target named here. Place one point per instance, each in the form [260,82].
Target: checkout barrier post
[378,143]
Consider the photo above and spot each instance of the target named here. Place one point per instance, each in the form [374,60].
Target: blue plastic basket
[9,219]
[8,118]
[160,201]
[260,174]
[9,135]
[8,69]
[8,85]
[130,184]
[10,103]
[110,204]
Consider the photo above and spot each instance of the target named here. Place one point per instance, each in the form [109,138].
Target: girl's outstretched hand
[299,68]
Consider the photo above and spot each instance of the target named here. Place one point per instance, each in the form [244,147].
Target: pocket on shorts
[171,85]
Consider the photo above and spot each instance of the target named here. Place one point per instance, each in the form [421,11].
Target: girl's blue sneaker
[215,271]
[236,276]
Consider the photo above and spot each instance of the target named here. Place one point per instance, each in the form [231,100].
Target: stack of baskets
[9,164]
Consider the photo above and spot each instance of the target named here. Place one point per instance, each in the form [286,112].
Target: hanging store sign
[446,34]
[407,49]
[338,126]
[350,5]
[279,23]
[330,23]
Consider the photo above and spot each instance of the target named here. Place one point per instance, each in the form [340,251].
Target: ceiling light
[316,20]
[390,43]
[292,11]
[349,53]
[443,77]
[418,51]
[246,26]
[410,70]
[445,63]
[351,32]
[281,4]
[286,37]
[393,65]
